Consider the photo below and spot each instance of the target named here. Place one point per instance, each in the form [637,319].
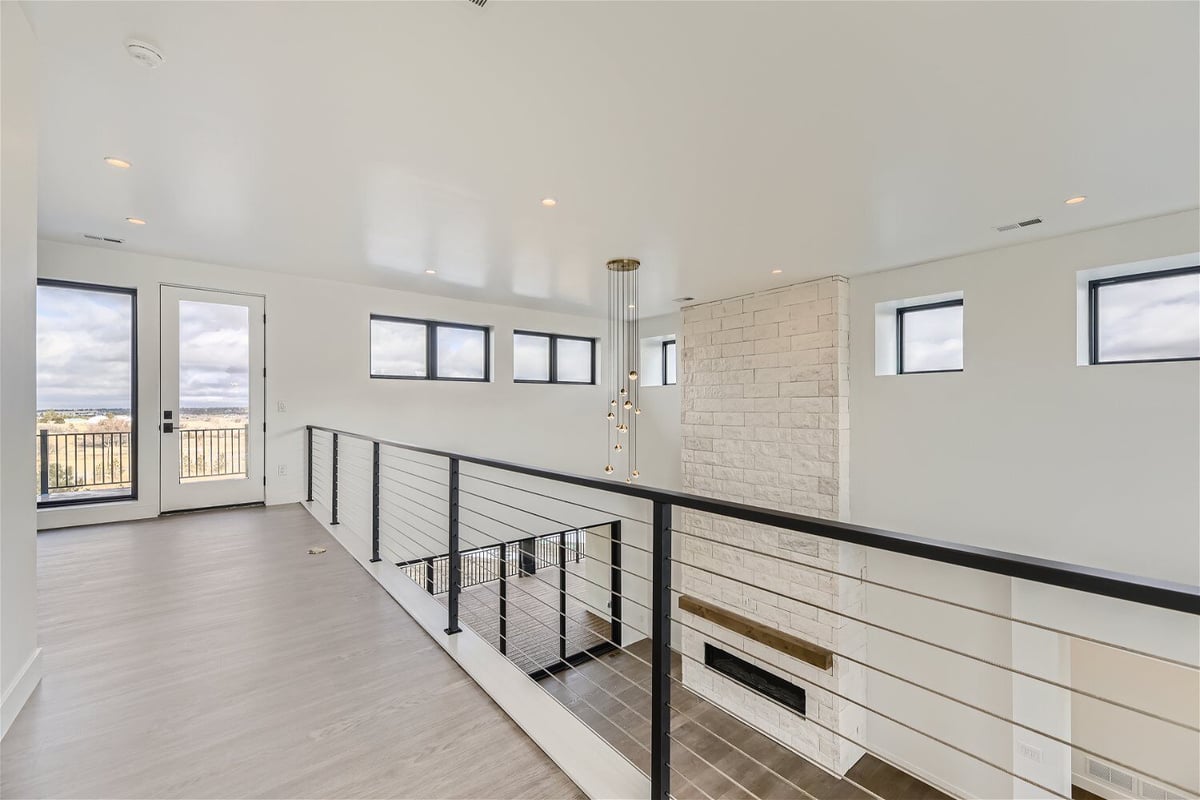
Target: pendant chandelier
[623,407]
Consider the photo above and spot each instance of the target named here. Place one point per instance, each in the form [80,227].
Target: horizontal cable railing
[762,653]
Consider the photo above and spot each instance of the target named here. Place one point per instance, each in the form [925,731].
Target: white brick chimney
[765,392]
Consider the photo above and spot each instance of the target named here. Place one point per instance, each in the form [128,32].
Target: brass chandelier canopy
[623,406]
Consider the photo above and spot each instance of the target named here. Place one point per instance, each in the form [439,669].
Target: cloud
[84,357]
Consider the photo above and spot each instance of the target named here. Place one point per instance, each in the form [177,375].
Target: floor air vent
[1110,775]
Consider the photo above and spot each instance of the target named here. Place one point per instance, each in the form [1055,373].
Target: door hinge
[264,427]
[264,372]
[264,480]
[264,319]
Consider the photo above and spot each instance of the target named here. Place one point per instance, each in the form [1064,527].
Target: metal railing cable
[945,648]
[583,674]
[935,599]
[582,577]
[923,733]
[556,499]
[511,643]
[541,516]
[404,526]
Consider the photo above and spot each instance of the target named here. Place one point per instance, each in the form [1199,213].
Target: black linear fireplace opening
[757,678]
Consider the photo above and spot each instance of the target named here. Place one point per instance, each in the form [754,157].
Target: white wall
[1024,451]
[659,434]
[317,364]
[20,666]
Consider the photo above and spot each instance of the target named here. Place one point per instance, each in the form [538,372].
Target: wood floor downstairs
[207,655]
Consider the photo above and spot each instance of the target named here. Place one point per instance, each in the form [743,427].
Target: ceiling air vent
[1022,224]
[109,239]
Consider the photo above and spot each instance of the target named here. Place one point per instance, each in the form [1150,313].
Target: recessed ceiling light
[135,221]
[431,272]
[1076,200]
[549,202]
[113,161]
[776,272]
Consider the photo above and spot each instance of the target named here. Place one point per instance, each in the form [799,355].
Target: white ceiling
[715,141]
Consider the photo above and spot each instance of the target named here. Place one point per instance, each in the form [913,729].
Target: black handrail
[1122,586]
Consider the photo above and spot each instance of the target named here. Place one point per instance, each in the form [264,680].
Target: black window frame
[131,292]
[431,329]
[553,372]
[1094,287]
[900,312]
[665,344]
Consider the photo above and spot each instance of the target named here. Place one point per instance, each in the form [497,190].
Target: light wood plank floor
[207,655]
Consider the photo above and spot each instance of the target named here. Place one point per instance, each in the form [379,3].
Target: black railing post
[454,556]
[528,556]
[429,587]
[375,501]
[562,595]
[309,454]
[44,452]
[614,580]
[334,520]
[660,659]
[503,598]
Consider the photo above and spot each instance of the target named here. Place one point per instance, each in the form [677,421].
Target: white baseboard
[20,690]
[917,772]
[595,766]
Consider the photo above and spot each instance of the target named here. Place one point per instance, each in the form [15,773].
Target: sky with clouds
[84,360]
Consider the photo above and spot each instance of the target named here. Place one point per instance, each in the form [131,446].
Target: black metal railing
[212,452]
[482,565]
[761,584]
[71,462]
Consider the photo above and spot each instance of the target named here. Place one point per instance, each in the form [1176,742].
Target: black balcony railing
[75,462]
[95,465]
[692,572]
[212,452]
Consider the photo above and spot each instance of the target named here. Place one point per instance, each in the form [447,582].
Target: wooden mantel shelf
[764,634]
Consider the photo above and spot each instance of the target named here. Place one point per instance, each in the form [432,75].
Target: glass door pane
[214,391]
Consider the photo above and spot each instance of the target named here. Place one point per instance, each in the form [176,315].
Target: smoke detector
[145,54]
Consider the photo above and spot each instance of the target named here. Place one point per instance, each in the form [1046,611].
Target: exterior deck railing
[77,461]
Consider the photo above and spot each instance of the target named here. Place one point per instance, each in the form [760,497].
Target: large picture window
[553,358]
[86,426]
[929,337]
[426,350]
[1151,316]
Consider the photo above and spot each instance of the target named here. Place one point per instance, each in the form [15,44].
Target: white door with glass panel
[212,399]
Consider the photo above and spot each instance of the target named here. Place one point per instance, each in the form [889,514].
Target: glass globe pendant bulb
[637,411]
[628,404]
[613,403]
[618,446]
[629,480]
[611,415]
[608,468]
[633,375]
[624,391]
[636,473]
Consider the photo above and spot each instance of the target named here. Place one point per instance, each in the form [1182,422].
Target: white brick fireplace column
[765,391]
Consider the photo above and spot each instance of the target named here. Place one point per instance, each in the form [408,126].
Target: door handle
[168,426]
